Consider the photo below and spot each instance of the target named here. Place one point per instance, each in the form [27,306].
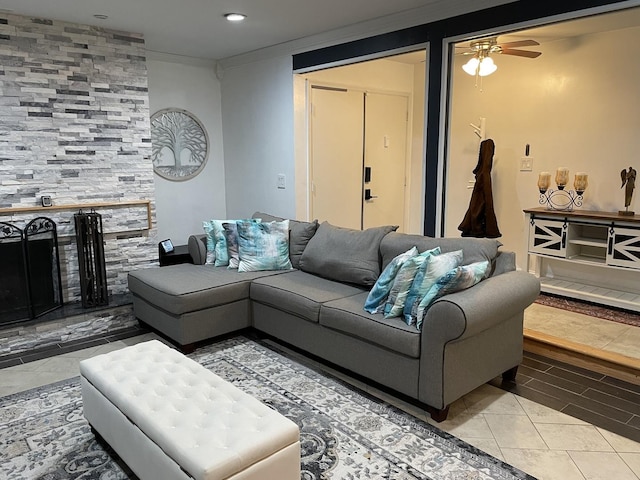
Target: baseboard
[608,363]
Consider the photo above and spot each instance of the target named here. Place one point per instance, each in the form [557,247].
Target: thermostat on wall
[46,200]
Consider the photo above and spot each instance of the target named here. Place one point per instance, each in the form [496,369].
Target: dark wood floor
[599,399]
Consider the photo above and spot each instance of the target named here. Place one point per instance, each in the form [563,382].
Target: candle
[562,177]
[544,181]
[580,182]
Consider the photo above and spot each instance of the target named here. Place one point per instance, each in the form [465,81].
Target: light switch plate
[526,164]
[282,181]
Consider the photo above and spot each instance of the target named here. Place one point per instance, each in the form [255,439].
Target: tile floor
[545,443]
[591,331]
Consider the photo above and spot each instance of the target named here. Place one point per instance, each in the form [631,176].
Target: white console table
[588,255]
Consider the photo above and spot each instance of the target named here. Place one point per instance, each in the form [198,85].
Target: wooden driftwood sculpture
[629,180]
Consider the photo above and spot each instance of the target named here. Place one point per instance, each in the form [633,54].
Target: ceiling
[562,30]
[197,28]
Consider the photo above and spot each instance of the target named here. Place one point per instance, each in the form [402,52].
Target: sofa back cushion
[473,249]
[299,235]
[344,254]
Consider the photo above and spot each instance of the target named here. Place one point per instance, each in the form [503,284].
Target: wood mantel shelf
[586,214]
[80,206]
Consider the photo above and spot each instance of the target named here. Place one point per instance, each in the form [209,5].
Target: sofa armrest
[197,247]
[480,307]
[471,336]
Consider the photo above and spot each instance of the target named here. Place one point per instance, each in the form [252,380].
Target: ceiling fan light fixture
[471,67]
[486,67]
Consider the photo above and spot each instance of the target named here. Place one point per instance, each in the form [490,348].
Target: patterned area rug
[591,309]
[345,434]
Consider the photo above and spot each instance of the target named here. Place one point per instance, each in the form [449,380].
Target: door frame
[407,158]
[301,96]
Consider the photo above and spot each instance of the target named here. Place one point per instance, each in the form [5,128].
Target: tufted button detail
[198,419]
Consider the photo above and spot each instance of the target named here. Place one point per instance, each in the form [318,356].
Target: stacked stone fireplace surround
[74,125]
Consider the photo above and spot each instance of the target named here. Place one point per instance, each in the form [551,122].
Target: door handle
[367,194]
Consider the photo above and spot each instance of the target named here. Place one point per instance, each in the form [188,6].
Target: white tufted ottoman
[168,417]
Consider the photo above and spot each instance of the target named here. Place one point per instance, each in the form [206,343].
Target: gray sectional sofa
[468,337]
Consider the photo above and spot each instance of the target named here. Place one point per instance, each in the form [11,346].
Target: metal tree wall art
[180,144]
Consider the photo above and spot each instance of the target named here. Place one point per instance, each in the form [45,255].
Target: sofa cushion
[426,276]
[231,236]
[473,249]
[299,293]
[185,288]
[345,254]
[403,282]
[299,235]
[263,246]
[455,280]
[347,315]
[380,291]
[216,239]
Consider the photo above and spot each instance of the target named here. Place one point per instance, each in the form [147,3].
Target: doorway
[363,143]
[358,156]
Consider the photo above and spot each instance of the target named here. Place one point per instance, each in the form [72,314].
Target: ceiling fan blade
[520,53]
[519,43]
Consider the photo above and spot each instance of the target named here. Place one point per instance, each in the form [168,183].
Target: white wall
[257,108]
[576,105]
[190,84]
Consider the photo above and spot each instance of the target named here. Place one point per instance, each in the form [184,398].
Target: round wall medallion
[180,145]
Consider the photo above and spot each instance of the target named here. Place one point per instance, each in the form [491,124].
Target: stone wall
[74,125]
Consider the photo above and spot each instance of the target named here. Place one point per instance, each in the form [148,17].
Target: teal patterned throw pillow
[211,243]
[217,251]
[263,246]
[231,236]
[459,278]
[425,278]
[380,291]
[402,283]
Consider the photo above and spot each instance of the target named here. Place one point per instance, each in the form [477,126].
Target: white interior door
[385,154]
[336,126]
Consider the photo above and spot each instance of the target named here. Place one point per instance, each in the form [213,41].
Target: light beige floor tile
[29,381]
[573,326]
[627,343]
[633,462]
[490,399]
[488,445]
[544,464]
[515,431]
[573,437]
[543,414]
[466,425]
[619,443]
[602,466]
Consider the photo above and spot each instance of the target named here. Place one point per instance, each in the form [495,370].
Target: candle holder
[561,199]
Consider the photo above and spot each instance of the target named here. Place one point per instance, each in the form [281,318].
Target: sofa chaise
[467,338]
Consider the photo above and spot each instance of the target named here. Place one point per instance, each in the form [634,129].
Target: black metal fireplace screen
[30,282]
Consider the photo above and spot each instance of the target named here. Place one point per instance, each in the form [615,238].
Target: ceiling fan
[481,63]
[491,45]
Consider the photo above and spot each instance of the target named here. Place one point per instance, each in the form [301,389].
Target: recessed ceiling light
[235,17]
[101,17]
